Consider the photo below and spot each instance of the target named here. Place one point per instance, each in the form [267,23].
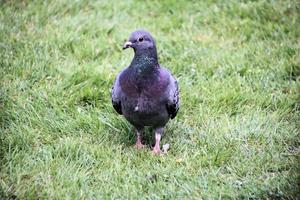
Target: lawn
[236,135]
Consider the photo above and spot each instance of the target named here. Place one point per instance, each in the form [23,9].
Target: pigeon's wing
[115,95]
[173,98]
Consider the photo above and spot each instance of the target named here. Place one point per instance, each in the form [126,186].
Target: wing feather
[115,96]
[173,100]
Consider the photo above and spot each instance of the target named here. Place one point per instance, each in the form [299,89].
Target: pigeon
[145,93]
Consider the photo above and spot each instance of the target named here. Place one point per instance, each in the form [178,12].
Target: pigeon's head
[140,40]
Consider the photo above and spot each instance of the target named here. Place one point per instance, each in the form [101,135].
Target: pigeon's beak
[127,45]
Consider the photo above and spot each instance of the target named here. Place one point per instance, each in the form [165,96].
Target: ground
[236,135]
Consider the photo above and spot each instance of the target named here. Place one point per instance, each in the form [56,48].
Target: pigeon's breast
[145,112]
[144,101]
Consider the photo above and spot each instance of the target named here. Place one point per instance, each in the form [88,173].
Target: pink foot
[156,151]
[139,145]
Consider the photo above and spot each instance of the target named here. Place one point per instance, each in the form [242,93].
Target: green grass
[237,132]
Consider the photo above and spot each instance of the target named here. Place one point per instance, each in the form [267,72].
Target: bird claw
[156,152]
[139,146]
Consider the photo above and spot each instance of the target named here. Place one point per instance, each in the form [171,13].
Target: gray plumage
[145,92]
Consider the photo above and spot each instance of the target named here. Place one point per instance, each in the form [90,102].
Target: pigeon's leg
[158,134]
[139,144]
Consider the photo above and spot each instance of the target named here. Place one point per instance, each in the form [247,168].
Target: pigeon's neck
[145,61]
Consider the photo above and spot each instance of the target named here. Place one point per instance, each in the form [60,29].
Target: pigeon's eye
[140,39]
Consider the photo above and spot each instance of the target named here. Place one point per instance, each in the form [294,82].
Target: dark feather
[115,100]
[173,104]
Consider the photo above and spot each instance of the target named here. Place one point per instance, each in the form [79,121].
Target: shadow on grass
[127,137]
